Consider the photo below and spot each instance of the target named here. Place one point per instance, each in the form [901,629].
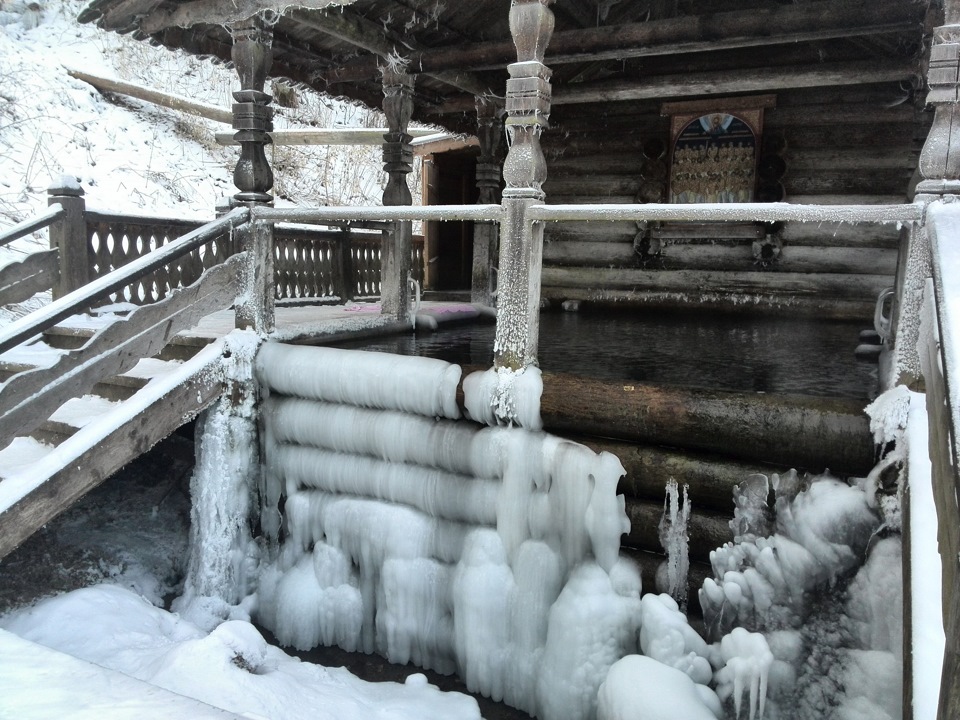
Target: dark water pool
[804,357]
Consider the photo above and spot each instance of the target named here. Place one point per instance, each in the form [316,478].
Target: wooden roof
[602,50]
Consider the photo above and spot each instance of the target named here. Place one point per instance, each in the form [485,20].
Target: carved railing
[28,398]
[39,271]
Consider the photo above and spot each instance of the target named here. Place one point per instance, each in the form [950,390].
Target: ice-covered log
[421,386]
[707,530]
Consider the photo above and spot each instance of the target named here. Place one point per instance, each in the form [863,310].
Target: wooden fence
[309,263]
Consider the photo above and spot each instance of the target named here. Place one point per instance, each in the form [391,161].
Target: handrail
[49,216]
[736,212]
[81,299]
[318,215]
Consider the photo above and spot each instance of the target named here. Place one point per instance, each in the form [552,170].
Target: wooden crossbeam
[356,30]
[721,83]
[222,12]
[712,32]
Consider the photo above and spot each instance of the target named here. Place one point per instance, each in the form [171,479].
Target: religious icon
[714,161]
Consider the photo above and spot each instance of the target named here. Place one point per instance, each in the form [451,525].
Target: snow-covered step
[49,683]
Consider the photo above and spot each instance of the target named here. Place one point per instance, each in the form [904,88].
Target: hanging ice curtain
[714,161]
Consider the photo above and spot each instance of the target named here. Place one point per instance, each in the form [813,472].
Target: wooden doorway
[449,178]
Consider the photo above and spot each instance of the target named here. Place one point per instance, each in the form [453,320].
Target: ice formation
[488,551]
[501,396]
[640,688]
[676,543]
[222,569]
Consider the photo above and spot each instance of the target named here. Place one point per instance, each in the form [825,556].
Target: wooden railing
[28,398]
[940,364]
[38,271]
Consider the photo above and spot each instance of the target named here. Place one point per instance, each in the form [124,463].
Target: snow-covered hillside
[131,156]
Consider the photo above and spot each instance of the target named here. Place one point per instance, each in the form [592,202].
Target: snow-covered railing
[940,363]
[728,212]
[351,213]
[28,398]
[37,271]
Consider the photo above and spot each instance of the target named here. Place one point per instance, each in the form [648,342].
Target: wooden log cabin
[827,102]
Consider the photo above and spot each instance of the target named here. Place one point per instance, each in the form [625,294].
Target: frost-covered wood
[22,279]
[51,214]
[98,450]
[68,236]
[27,399]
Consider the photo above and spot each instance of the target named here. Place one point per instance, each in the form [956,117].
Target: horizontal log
[174,102]
[759,305]
[841,159]
[792,431]
[598,184]
[327,136]
[895,137]
[880,181]
[22,279]
[726,257]
[841,234]
[576,231]
[717,282]
[710,477]
[98,450]
[29,398]
[707,530]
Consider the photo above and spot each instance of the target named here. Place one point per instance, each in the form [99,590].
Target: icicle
[675,542]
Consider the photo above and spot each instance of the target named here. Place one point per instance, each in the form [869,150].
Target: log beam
[366,35]
[221,12]
[722,83]
[712,32]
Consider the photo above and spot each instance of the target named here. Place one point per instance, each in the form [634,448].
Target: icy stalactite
[493,552]
[747,660]
[765,582]
[676,542]
[223,555]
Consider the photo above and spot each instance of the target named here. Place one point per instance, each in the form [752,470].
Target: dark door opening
[449,178]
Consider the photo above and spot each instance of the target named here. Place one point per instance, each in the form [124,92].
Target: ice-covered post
[252,55]
[397,163]
[69,236]
[524,171]
[940,169]
[489,132]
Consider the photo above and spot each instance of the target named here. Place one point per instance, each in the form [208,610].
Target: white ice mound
[666,636]
[421,386]
[640,688]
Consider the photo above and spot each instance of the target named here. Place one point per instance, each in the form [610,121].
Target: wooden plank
[590,232]
[880,181]
[841,234]
[98,450]
[836,159]
[174,102]
[219,12]
[52,213]
[705,281]
[329,136]
[27,399]
[24,278]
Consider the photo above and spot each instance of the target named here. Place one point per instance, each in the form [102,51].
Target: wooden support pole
[68,236]
[397,163]
[524,171]
[489,132]
[252,118]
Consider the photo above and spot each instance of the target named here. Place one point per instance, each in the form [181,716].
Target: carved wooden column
[524,171]
[252,56]
[940,169]
[489,132]
[397,163]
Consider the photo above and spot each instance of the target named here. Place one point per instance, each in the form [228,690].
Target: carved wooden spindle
[524,171]
[940,158]
[397,163]
[489,133]
[252,118]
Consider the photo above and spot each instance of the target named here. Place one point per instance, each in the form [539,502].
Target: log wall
[845,145]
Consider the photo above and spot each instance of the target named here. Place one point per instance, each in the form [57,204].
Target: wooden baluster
[524,171]
[489,132]
[397,163]
[252,55]
[69,237]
